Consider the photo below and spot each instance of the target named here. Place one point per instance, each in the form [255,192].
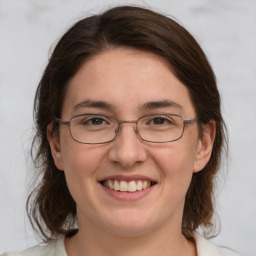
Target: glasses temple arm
[62,122]
[189,121]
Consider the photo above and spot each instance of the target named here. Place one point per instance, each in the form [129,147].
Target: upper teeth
[125,186]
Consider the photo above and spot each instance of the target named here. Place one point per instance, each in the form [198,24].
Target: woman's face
[127,84]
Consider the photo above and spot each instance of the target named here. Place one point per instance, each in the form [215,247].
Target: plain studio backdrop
[226,30]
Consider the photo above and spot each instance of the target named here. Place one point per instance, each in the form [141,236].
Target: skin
[126,79]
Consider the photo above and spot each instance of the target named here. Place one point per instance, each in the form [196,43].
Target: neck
[156,242]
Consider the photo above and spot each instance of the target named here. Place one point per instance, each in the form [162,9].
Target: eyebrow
[160,104]
[94,104]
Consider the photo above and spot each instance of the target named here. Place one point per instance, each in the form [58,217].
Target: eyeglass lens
[94,129]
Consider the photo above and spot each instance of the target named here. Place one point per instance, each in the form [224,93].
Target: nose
[127,149]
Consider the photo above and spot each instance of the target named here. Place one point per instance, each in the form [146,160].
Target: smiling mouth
[127,186]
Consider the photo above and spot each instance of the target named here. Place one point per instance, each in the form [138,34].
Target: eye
[91,121]
[95,121]
[160,120]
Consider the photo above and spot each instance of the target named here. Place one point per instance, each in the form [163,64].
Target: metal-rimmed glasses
[100,129]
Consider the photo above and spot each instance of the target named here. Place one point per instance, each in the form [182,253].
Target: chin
[129,224]
[129,230]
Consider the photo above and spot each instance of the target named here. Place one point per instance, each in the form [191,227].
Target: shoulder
[56,248]
[207,248]
[228,252]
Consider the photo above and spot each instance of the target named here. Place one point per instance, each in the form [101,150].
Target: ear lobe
[55,147]
[205,146]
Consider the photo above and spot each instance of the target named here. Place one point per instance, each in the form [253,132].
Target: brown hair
[50,207]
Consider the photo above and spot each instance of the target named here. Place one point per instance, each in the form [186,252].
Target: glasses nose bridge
[127,121]
[120,122]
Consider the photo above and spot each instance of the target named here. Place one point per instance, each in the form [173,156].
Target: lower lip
[128,196]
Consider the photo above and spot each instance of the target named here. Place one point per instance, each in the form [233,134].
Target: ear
[53,140]
[205,145]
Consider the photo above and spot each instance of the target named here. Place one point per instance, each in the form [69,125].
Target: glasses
[100,129]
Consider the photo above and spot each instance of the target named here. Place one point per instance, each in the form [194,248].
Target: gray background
[226,29]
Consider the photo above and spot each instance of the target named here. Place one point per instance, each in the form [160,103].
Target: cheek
[78,158]
[80,166]
[176,163]
[81,160]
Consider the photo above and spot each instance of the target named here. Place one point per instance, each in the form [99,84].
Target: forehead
[125,79]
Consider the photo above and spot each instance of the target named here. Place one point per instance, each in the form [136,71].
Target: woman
[129,136]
